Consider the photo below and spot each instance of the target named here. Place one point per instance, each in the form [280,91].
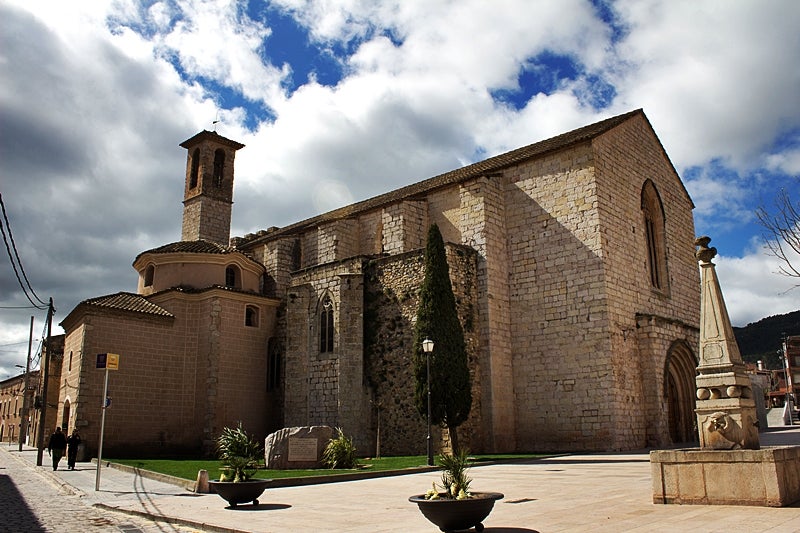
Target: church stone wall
[482,224]
[392,298]
[371,233]
[327,388]
[627,157]
[558,316]
[404,226]
[337,240]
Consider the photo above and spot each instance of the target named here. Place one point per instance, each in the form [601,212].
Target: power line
[18,260]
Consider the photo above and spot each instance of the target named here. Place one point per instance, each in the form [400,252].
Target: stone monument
[726,410]
[729,468]
[296,447]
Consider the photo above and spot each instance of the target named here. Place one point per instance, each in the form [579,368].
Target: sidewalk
[591,492]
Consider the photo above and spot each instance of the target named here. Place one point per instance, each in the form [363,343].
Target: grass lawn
[188,468]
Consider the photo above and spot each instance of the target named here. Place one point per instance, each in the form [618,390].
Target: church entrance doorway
[679,384]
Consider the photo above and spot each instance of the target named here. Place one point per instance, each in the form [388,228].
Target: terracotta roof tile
[125,301]
[190,247]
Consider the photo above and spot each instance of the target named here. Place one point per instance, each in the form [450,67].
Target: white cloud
[717,78]
[787,161]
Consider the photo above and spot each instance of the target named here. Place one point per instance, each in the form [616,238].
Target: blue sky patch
[290,43]
[544,73]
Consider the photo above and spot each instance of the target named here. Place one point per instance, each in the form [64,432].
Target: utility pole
[23,426]
[46,377]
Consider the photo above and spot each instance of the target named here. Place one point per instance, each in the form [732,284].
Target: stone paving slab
[592,492]
[35,501]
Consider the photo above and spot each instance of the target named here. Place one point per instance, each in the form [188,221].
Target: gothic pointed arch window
[653,219]
[194,171]
[326,324]
[219,167]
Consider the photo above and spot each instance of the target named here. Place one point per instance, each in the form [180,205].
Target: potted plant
[240,456]
[453,506]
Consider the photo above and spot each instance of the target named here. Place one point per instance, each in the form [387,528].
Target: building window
[273,364]
[326,325]
[195,169]
[653,217]
[251,316]
[297,255]
[149,272]
[232,277]
[219,167]
[69,367]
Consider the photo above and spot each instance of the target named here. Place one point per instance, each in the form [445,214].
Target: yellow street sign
[112,361]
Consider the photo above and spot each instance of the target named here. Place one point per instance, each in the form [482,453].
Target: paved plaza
[591,492]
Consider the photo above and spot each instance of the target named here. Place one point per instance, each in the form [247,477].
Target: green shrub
[340,452]
[240,454]
[454,474]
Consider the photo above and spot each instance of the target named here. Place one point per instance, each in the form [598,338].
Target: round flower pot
[241,492]
[455,515]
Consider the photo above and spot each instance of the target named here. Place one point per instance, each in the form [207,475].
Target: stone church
[572,264]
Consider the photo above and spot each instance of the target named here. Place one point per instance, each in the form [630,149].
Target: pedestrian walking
[56,446]
[73,442]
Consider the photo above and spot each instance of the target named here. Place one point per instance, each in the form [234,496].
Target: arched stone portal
[679,390]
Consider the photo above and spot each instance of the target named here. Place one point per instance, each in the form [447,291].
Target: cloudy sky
[341,100]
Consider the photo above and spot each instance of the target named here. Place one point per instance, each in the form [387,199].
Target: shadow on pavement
[17,516]
[260,507]
[509,530]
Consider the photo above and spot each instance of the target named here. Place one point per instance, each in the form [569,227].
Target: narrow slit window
[326,326]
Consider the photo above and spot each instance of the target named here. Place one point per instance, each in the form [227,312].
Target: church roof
[126,301]
[189,247]
[211,136]
[481,168]
[196,247]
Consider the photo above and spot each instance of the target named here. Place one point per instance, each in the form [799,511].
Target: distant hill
[762,339]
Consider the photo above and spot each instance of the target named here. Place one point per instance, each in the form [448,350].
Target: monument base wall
[767,477]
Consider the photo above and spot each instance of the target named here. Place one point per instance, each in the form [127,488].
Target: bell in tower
[208,190]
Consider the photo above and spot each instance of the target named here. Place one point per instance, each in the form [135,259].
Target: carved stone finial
[704,254]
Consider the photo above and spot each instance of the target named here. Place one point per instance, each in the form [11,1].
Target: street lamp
[788,374]
[427,347]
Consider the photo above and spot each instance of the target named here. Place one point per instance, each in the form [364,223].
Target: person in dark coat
[73,442]
[57,446]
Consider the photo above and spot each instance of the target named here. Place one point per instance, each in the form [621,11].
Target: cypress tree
[437,320]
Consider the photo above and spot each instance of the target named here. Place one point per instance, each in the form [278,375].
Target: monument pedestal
[767,477]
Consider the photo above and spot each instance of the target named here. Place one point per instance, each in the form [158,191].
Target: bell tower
[208,190]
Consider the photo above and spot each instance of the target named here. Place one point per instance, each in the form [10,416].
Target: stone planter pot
[241,492]
[456,515]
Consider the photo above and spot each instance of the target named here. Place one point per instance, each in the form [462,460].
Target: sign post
[108,361]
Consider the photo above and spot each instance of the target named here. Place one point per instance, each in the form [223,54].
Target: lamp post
[23,426]
[788,374]
[427,347]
